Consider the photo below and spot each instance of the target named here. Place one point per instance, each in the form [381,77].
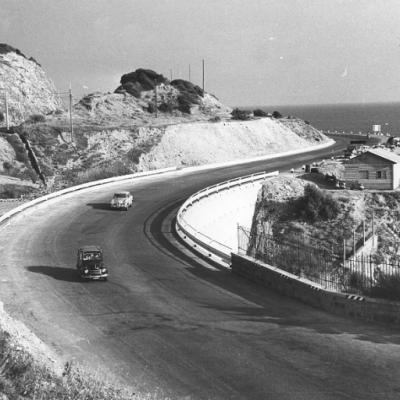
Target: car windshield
[121,195]
[92,256]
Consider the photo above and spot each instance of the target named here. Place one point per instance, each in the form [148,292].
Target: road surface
[169,324]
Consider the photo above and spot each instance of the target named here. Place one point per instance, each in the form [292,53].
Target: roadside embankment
[204,143]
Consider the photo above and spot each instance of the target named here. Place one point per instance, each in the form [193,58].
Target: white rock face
[28,88]
[203,143]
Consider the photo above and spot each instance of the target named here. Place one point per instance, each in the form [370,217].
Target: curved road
[168,324]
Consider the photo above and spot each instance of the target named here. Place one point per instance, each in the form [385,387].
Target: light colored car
[121,200]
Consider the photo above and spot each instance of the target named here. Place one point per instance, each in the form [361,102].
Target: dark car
[90,263]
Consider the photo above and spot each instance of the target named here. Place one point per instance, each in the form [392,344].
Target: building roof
[387,155]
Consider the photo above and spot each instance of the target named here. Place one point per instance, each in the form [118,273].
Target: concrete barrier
[199,204]
[313,294]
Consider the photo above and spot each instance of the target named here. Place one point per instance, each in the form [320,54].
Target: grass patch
[101,172]
[10,191]
[22,377]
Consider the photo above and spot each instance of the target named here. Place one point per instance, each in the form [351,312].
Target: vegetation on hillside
[316,205]
[241,115]
[21,377]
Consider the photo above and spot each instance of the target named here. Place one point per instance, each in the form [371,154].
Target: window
[380,174]
[363,174]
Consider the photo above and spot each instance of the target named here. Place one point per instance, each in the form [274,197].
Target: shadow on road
[268,306]
[59,273]
[100,206]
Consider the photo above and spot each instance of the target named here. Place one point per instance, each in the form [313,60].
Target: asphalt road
[169,324]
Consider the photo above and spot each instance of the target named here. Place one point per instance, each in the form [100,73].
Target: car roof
[90,248]
[123,192]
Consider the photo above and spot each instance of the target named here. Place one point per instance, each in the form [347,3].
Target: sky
[256,52]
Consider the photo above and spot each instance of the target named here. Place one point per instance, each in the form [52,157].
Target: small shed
[374,169]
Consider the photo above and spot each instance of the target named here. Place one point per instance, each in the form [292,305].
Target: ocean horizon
[350,117]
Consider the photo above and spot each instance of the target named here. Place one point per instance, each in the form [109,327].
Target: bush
[216,118]
[184,104]
[276,114]
[166,107]
[316,205]
[1,117]
[36,118]
[260,113]
[241,115]
[7,165]
[151,108]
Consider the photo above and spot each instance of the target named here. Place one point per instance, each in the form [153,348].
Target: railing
[6,217]
[363,275]
[184,229]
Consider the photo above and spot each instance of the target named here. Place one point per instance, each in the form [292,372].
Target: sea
[347,118]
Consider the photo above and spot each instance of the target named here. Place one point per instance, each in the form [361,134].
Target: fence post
[344,252]
[354,243]
[373,230]
[370,272]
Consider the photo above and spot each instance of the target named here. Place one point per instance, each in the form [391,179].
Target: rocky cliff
[28,88]
[145,97]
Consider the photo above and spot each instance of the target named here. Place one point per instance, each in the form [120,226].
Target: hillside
[275,215]
[28,88]
[148,122]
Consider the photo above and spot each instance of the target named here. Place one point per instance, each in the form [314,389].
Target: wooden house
[374,169]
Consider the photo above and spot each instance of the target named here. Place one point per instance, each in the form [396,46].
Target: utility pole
[7,116]
[155,99]
[71,125]
[189,74]
[203,75]
[170,74]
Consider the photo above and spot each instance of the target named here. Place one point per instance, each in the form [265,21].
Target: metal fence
[339,272]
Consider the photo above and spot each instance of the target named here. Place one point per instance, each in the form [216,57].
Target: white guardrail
[200,239]
[10,214]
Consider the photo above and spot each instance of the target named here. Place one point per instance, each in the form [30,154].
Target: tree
[259,113]
[316,205]
[240,114]
[276,114]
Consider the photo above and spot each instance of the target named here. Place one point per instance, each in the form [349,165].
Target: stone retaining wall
[310,293]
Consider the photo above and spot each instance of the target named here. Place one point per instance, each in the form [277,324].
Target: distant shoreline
[348,117]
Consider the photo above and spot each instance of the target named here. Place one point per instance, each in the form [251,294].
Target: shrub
[316,205]
[166,107]
[36,118]
[216,118]
[238,114]
[189,89]
[184,104]
[1,117]
[276,114]
[151,108]
[132,89]
[7,165]
[259,113]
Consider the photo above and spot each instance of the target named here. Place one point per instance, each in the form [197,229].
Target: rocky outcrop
[28,88]
[136,99]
